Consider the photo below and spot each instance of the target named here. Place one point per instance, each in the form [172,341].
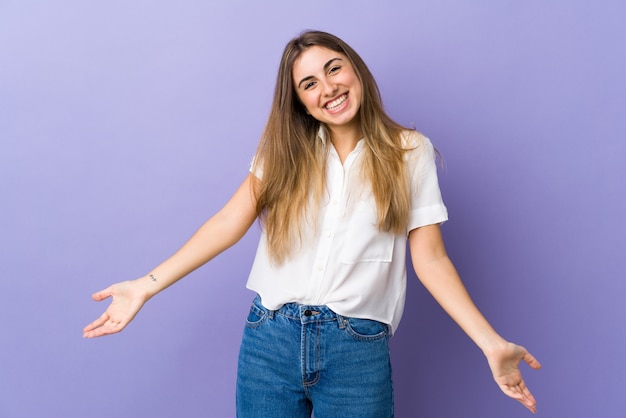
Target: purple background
[125,124]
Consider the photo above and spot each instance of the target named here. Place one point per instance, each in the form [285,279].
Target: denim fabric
[302,359]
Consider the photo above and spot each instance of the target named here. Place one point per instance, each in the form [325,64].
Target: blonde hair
[292,159]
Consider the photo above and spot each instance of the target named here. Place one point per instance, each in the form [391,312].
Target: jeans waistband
[304,313]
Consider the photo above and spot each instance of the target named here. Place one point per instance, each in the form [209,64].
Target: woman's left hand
[504,363]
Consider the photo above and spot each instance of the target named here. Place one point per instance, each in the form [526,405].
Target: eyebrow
[326,66]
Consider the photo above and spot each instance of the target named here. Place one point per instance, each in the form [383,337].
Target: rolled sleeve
[427,207]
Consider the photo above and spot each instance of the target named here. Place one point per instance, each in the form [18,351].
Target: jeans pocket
[256,316]
[366,329]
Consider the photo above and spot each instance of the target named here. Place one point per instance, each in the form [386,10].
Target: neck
[347,134]
[344,139]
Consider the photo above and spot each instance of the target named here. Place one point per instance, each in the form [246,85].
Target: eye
[309,84]
[334,69]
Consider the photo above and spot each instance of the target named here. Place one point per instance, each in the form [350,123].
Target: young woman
[338,187]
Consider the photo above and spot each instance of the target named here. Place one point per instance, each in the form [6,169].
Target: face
[328,87]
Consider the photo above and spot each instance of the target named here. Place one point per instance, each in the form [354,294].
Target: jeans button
[307,312]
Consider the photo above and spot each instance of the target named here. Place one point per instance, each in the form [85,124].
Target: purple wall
[125,124]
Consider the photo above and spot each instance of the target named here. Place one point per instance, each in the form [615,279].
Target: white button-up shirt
[344,261]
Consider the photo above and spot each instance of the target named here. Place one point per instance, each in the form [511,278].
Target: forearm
[206,243]
[217,234]
[441,279]
[437,273]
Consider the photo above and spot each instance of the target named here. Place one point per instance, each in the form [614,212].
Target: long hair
[292,159]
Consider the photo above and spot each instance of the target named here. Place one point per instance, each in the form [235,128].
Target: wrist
[149,286]
[491,342]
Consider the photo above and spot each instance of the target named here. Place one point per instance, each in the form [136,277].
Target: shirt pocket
[364,242]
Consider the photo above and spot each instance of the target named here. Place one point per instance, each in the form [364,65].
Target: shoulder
[416,143]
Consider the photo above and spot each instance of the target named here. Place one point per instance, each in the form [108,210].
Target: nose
[329,88]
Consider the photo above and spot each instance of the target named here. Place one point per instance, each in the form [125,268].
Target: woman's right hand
[216,235]
[127,299]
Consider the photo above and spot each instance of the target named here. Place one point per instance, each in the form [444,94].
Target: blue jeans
[302,359]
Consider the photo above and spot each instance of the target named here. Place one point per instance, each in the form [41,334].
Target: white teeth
[336,103]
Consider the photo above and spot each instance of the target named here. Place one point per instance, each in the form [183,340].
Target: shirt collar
[322,134]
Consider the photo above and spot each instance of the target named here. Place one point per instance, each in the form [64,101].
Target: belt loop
[270,313]
[341,321]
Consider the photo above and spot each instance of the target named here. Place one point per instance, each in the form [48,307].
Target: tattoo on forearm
[153,278]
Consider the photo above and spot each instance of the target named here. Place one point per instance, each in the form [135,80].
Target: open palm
[504,364]
[127,299]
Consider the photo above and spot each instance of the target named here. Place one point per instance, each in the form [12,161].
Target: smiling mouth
[337,103]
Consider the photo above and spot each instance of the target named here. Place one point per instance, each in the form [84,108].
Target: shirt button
[308,312]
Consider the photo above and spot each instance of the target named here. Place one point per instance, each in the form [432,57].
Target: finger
[101,295]
[521,393]
[97,323]
[531,360]
[107,328]
[98,332]
[524,390]
[115,327]
[531,407]
[513,392]
[531,403]
[110,327]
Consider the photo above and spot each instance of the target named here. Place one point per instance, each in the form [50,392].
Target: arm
[220,232]
[439,276]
